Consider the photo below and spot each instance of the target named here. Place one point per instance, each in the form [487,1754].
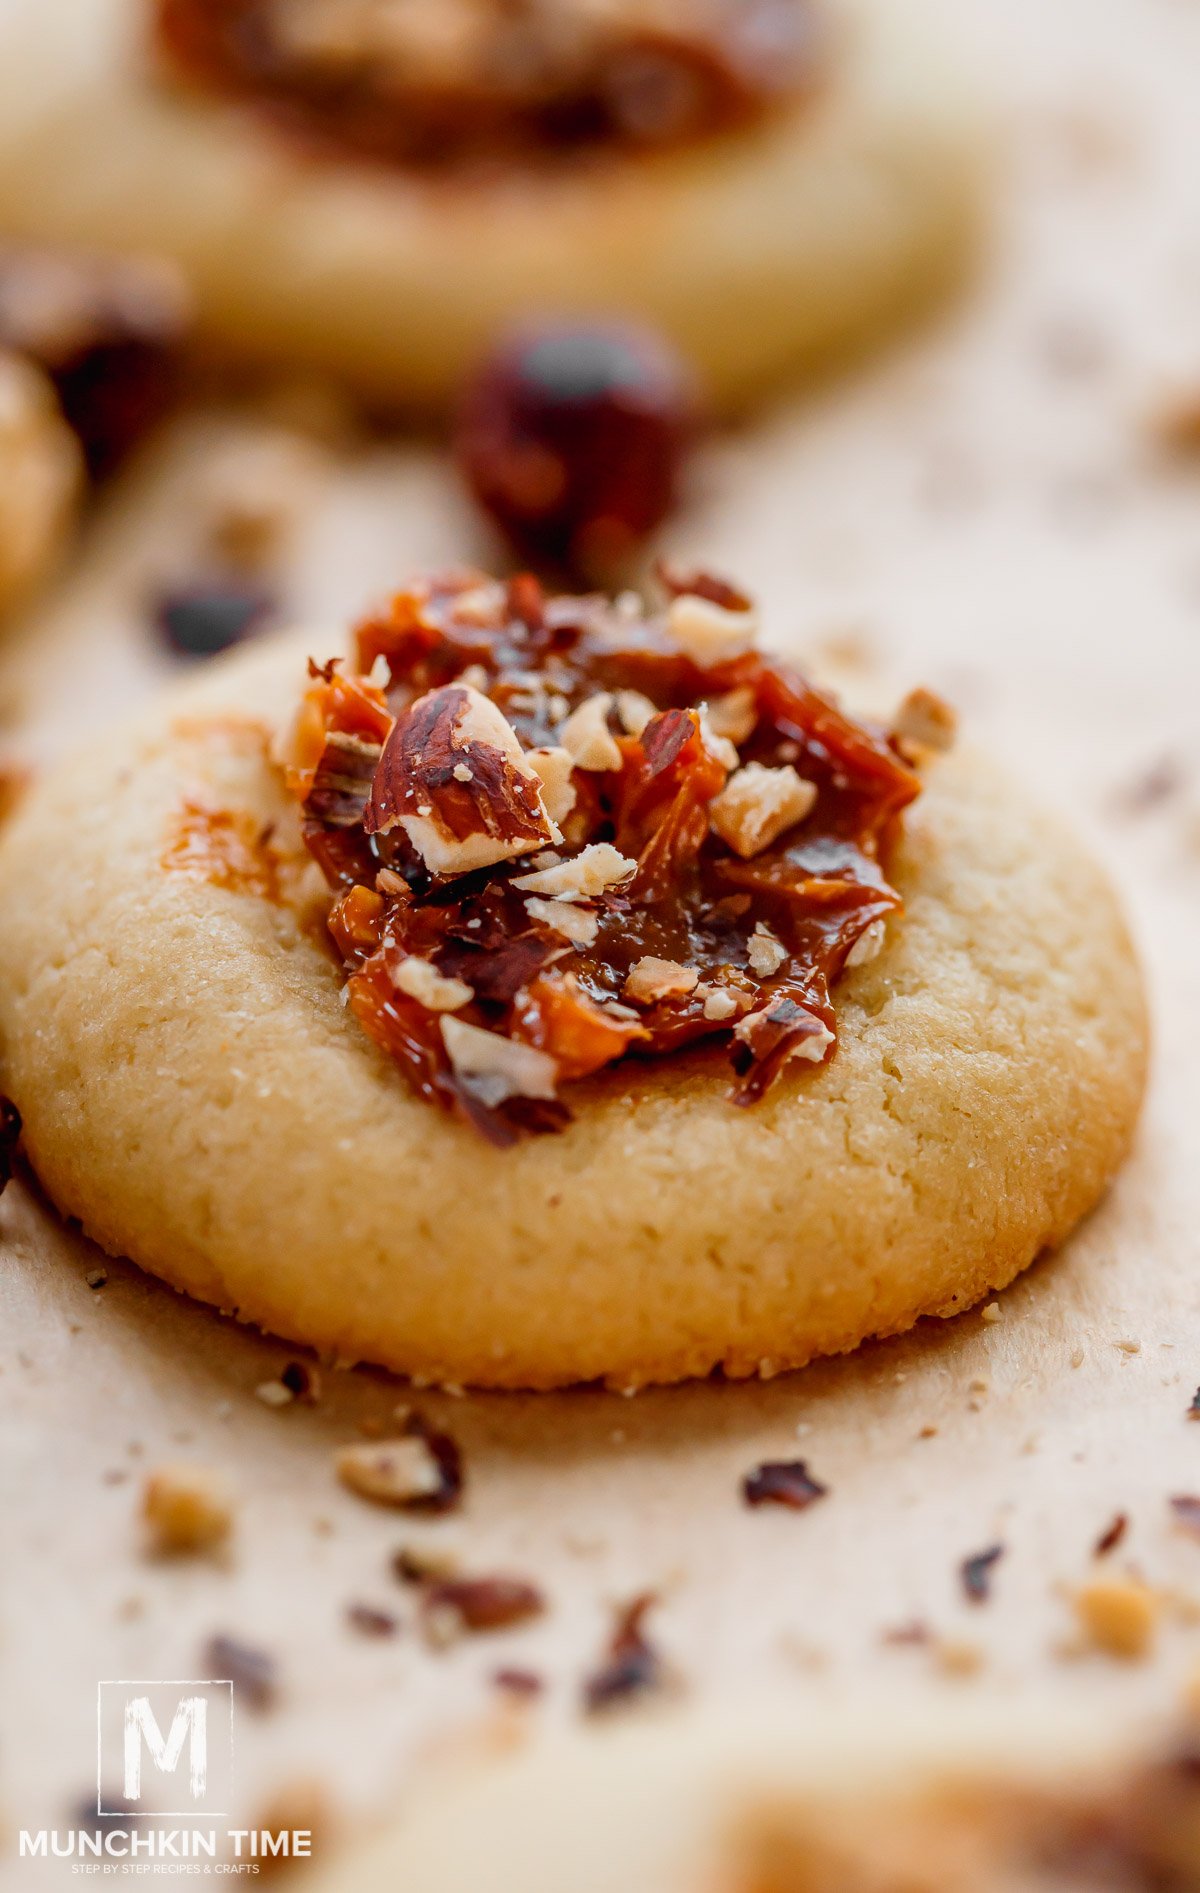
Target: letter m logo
[189,1724]
[164,1747]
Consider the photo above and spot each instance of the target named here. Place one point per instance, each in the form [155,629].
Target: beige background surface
[987,510]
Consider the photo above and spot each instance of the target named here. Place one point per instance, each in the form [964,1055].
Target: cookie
[884,1795]
[765,208]
[196,1089]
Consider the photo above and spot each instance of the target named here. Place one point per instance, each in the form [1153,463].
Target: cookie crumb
[187,1509]
[1129,1347]
[1118,1615]
[991,1311]
[924,721]
[96,1278]
[956,1658]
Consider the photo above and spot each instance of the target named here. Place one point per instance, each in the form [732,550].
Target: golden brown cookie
[196,1092]
[788,233]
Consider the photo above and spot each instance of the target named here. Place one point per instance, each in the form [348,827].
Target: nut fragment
[708,632]
[634,710]
[422,982]
[1119,1615]
[651,979]
[418,1471]
[587,737]
[187,1508]
[868,946]
[758,804]
[554,768]
[766,953]
[579,925]
[495,1068]
[589,872]
[458,826]
[925,720]
[734,714]
[720,1003]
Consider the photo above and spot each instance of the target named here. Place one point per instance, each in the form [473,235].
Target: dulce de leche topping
[437,81]
[563,832]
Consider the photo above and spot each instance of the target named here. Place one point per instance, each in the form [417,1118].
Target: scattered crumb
[784,1482]
[301,1380]
[187,1509]
[632,1666]
[1077,1357]
[976,1573]
[273,1393]
[421,1470]
[96,1278]
[1129,1347]
[252,1672]
[454,1607]
[991,1311]
[523,1684]
[370,1622]
[1118,1615]
[956,1658]
[1186,1507]
[1111,1536]
[423,1567]
[924,721]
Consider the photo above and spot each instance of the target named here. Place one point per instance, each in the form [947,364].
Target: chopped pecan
[342,784]
[632,1666]
[454,777]
[785,1482]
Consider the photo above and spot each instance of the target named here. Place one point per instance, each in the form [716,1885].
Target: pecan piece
[454,776]
[342,784]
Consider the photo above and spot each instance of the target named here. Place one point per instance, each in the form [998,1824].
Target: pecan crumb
[370,1622]
[421,1470]
[976,1573]
[302,1381]
[632,1666]
[187,1508]
[252,1672]
[452,1607]
[521,1683]
[1186,1507]
[10,1133]
[422,1567]
[1111,1536]
[782,1482]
